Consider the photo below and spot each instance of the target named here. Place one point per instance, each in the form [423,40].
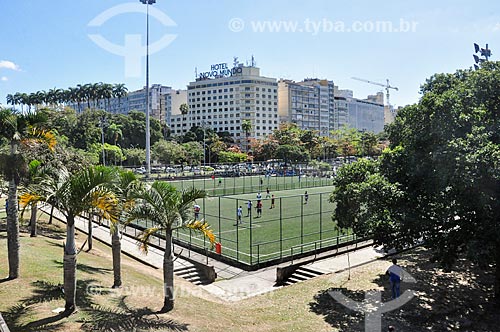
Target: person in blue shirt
[395,273]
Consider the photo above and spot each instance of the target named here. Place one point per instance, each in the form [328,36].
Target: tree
[193,152]
[119,91]
[265,149]
[310,140]
[134,156]
[368,144]
[27,129]
[444,160]
[168,209]
[184,108]
[246,126]
[292,153]
[72,195]
[114,132]
[34,173]
[125,184]
[347,141]
[232,157]
[167,152]
[365,201]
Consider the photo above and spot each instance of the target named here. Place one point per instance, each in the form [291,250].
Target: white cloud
[4,78]
[9,65]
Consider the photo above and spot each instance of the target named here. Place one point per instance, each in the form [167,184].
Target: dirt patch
[457,301]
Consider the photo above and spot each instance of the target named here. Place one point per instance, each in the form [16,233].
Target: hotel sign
[219,70]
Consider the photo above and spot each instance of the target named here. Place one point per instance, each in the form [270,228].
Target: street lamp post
[148,131]
[204,143]
[103,122]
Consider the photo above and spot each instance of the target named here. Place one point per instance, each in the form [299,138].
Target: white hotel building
[222,99]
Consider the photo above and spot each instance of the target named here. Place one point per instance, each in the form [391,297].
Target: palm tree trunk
[497,272]
[168,273]
[13,224]
[33,228]
[116,249]
[89,241]
[12,231]
[70,266]
[51,214]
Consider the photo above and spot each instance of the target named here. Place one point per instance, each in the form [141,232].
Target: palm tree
[11,99]
[19,128]
[115,132]
[75,194]
[106,92]
[35,172]
[246,125]
[168,209]
[126,184]
[97,93]
[23,100]
[79,96]
[119,91]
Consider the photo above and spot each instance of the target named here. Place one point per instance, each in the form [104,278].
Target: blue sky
[45,43]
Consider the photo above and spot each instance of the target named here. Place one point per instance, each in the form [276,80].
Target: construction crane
[387,86]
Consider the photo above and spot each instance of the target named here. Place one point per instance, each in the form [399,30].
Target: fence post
[244,187]
[301,223]
[281,228]
[315,249]
[220,231]
[250,238]
[258,254]
[320,219]
[237,233]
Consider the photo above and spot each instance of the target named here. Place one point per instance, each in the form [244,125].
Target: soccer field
[292,227]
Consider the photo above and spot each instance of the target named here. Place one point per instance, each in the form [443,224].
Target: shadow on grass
[97,318]
[51,231]
[86,268]
[43,292]
[55,244]
[456,301]
[123,318]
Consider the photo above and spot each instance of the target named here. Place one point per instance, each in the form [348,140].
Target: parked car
[140,170]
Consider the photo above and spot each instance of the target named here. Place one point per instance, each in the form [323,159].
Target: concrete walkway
[233,284]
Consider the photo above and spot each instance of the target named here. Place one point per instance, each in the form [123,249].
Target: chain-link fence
[278,227]
[217,186]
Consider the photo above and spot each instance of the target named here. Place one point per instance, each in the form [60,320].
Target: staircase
[191,273]
[302,274]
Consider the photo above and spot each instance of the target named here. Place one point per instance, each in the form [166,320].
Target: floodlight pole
[102,124]
[148,130]
[204,143]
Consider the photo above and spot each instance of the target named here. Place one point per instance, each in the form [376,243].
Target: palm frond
[28,198]
[40,136]
[145,236]
[106,203]
[202,227]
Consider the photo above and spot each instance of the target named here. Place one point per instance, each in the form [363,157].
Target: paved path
[233,284]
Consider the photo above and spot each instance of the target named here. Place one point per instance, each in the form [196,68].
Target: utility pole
[103,122]
[148,130]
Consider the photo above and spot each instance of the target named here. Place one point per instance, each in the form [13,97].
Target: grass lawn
[457,301]
[27,303]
